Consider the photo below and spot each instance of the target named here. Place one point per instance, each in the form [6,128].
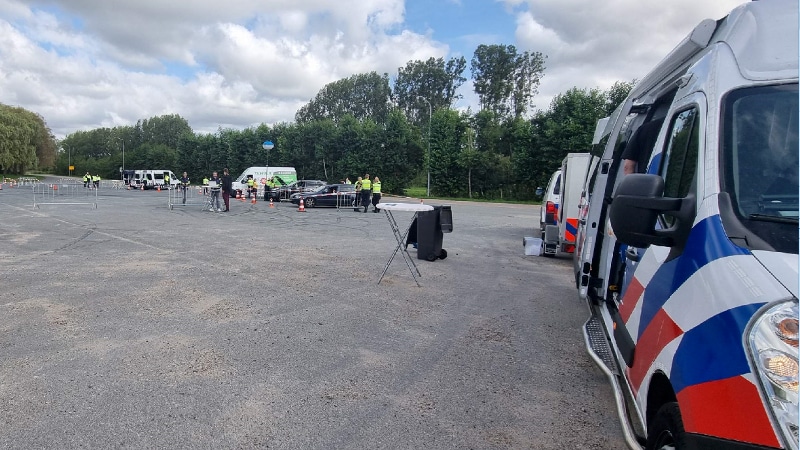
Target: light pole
[430,116]
[123,157]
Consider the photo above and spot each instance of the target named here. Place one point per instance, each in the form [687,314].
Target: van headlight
[773,353]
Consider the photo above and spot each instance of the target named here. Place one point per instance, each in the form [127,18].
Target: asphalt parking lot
[133,325]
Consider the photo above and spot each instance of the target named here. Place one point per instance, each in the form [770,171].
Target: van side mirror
[637,202]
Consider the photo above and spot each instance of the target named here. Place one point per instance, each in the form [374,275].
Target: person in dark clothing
[640,147]
[227,185]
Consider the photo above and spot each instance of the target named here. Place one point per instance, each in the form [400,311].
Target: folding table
[401,236]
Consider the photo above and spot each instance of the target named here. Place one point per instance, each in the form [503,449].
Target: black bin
[427,231]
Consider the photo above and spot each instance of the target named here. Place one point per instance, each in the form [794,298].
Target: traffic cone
[141,187]
[254,199]
[159,188]
[270,201]
[241,196]
[420,200]
[302,207]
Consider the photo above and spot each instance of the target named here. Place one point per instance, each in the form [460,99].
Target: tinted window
[680,161]
[760,161]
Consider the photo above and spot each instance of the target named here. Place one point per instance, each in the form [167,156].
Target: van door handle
[632,254]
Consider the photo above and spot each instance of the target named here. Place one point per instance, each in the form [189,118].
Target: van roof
[756,33]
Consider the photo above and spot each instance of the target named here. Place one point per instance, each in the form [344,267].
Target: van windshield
[760,160]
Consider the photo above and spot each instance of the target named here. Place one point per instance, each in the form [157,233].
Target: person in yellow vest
[376,193]
[166,182]
[366,191]
[347,181]
[86,179]
[96,181]
[250,184]
[205,185]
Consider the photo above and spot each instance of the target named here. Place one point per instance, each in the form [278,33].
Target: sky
[86,64]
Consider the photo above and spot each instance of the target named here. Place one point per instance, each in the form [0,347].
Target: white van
[559,222]
[286,175]
[690,270]
[153,179]
[548,214]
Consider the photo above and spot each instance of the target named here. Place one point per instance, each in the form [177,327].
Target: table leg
[400,238]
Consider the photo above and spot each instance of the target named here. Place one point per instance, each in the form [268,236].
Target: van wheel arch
[659,393]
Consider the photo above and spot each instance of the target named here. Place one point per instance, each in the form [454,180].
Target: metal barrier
[194,196]
[71,193]
[27,181]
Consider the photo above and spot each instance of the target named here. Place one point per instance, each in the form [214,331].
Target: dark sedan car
[335,195]
[285,192]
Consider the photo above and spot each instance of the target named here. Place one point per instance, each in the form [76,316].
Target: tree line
[401,130]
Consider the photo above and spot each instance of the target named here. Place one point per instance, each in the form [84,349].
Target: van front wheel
[667,430]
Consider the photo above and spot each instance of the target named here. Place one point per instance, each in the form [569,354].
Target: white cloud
[597,44]
[88,63]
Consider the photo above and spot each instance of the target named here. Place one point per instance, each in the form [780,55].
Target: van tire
[667,431]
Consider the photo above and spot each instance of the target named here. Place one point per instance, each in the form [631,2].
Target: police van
[559,216]
[690,269]
[153,179]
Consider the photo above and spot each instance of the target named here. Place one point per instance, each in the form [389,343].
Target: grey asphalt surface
[133,325]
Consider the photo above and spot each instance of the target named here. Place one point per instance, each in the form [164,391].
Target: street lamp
[430,116]
[123,157]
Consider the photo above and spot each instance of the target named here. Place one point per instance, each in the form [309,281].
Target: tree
[617,94]
[504,80]
[361,96]
[26,142]
[434,80]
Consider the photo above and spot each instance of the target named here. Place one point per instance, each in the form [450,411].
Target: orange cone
[254,199]
[241,196]
[270,202]
[302,207]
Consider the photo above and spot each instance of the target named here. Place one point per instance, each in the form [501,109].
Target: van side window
[680,161]
[557,187]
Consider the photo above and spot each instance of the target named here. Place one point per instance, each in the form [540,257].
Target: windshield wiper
[768,218]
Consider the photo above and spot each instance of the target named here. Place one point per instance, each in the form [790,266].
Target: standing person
[96,181]
[227,185]
[205,185]
[166,181]
[184,185]
[347,181]
[376,193]
[357,201]
[86,180]
[250,183]
[366,191]
[216,185]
